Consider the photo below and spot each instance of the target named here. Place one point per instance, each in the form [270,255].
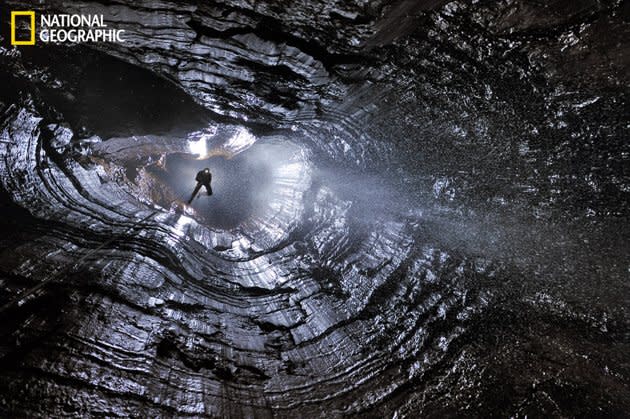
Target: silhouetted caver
[203,178]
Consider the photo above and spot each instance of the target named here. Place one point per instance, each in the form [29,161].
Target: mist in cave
[419,209]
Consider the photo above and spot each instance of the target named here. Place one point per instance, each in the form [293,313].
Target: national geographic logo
[61,29]
[15,16]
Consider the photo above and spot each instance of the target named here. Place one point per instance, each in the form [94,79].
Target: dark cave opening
[98,94]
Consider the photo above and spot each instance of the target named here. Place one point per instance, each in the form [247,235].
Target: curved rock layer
[420,209]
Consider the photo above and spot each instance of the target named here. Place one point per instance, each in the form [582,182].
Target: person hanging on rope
[203,178]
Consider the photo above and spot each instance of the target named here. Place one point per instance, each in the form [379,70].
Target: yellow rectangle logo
[30,41]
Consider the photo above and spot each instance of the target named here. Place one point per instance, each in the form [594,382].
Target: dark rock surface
[420,210]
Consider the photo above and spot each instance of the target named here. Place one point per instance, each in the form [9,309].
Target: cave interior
[420,209]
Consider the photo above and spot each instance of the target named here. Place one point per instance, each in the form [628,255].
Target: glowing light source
[199,141]
[198,147]
[203,143]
